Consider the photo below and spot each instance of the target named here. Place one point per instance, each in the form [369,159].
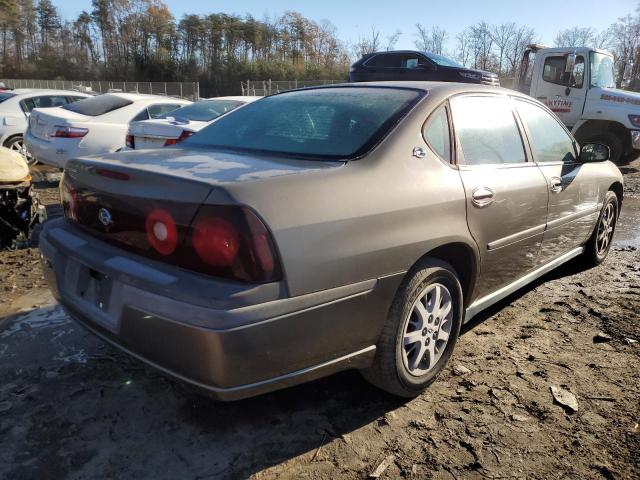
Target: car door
[417,67]
[563,92]
[507,194]
[573,186]
[384,67]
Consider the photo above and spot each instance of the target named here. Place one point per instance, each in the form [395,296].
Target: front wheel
[598,246]
[420,332]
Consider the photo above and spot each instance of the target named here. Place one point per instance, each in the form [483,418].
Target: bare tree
[502,36]
[463,48]
[431,39]
[392,39]
[368,44]
[575,37]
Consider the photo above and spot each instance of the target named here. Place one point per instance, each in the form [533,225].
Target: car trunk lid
[43,121]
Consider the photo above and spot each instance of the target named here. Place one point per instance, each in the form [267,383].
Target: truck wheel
[597,248]
[610,139]
[420,332]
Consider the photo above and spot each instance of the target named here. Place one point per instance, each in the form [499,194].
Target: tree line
[140,40]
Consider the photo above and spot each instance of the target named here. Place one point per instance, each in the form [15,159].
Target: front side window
[324,123]
[487,130]
[549,141]
[602,70]
[44,102]
[554,69]
[436,134]
[98,105]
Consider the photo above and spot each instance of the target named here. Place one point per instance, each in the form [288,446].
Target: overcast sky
[354,18]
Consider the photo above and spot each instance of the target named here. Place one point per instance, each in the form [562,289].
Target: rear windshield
[99,105]
[331,123]
[5,95]
[205,110]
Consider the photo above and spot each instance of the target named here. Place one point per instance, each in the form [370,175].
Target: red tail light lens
[60,131]
[216,241]
[183,136]
[130,141]
[232,242]
[162,232]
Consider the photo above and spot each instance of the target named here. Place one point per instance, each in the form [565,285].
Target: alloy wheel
[19,146]
[605,228]
[426,329]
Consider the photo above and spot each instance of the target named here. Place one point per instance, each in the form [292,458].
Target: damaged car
[19,209]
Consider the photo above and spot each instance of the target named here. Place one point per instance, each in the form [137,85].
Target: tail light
[232,242]
[162,232]
[130,141]
[183,136]
[61,131]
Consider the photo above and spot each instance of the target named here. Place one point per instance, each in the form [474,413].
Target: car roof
[443,88]
[143,96]
[43,91]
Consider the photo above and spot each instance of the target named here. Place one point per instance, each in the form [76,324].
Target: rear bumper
[240,345]
[49,153]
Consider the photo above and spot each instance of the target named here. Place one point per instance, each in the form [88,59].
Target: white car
[16,106]
[95,125]
[182,123]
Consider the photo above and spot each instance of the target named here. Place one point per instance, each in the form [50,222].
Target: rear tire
[599,244]
[610,139]
[17,145]
[418,340]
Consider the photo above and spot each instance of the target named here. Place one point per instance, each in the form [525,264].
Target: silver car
[324,229]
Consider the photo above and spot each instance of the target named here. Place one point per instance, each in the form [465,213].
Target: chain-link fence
[187,90]
[269,87]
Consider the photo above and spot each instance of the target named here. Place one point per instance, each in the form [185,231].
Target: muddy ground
[72,407]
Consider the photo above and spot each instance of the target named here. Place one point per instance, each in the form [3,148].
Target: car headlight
[473,76]
[635,120]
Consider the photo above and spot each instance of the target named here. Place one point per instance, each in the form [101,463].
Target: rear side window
[99,105]
[324,123]
[436,134]
[161,110]
[549,141]
[206,110]
[385,60]
[44,102]
[487,130]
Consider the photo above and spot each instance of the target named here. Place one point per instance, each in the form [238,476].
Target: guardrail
[269,87]
[187,90]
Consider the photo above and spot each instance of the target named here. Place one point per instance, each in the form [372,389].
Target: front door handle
[482,197]
[555,185]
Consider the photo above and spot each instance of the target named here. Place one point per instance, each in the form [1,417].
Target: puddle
[44,317]
[628,228]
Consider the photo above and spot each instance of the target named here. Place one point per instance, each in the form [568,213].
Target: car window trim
[528,134]
[461,161]
[447,109]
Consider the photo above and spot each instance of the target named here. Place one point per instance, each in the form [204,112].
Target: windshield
[332,123]
[602,71]
[99,105]
[442,61]
[5,95]
[205,110]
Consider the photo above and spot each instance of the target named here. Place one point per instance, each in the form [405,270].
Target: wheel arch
[11,137]
[618,189]
[593,127]
[464,259]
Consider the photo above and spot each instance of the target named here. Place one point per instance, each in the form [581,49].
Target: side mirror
[594,152]
[571,62]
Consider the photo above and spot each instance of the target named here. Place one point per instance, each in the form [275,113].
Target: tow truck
[578,85]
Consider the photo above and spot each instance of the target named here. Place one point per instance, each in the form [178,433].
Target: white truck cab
[578,85]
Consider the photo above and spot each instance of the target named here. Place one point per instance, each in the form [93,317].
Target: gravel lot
[71,407]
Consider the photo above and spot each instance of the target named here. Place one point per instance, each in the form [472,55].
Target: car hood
[209,166]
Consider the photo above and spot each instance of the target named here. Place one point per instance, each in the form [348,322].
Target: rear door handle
[482,197]
[555,185]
